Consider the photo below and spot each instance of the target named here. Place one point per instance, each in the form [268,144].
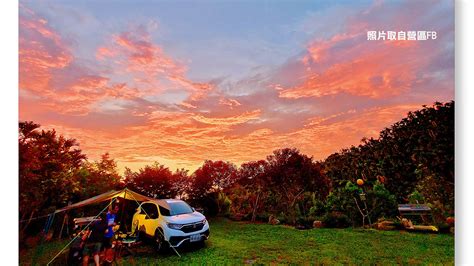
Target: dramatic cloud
[229,120]
[41,51]
[50,73]
[133,53]
[144,88]
[375,71]
[348,63]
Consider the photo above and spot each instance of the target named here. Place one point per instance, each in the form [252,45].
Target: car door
[150,220]
[138,219]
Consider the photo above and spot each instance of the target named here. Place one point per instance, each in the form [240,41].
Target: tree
[156,181]
[249,193]
[252,176]
[291,174]
[182,183]
[98,177]
[48,169]
[209,182]
[346,200]
[414,153]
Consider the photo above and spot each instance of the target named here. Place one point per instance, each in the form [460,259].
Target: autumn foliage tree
[209,183]
[98,177]
[48,168]
[275,186]
[292,174]
[156,181]
[53,172]
[250,193]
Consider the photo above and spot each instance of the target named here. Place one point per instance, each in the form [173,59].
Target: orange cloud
[41,50]
[49,71]
[104,52]
[247,116]
[176,139]
[373,70]
[136,102]
[229,102]
[343,130]
[347,63]
[134,53]
[144,56]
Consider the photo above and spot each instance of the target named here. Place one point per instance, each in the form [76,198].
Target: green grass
[244,243]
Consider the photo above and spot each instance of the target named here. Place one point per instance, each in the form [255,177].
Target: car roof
[164,202]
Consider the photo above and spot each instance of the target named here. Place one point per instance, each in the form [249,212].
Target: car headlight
[204,221]
[174,226]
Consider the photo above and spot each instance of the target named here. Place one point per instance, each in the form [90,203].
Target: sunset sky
[179,82]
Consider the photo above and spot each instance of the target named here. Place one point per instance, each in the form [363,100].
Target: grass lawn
[244,243]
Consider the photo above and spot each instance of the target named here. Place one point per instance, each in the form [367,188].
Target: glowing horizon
[227,81]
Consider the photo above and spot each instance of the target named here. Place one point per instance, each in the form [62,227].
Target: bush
[262,217]
[336,220]
[341,200]
[305,222]
[284,218]
[318,209]
[224,204]
[379,202]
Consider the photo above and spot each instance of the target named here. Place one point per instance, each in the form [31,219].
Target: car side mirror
[193,209]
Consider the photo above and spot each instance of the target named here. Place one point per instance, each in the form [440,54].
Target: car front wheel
[160,242]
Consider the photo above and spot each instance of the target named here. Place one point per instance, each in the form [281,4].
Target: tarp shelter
[124,194]
[107,196]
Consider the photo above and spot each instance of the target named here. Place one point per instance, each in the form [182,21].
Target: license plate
[195,238]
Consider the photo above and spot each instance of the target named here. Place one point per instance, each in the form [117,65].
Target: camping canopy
[124,194]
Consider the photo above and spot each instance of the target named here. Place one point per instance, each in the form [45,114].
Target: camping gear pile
[121,245]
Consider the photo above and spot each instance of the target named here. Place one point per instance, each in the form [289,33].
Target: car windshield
[178,208]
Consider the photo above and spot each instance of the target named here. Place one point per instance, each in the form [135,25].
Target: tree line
[411,161]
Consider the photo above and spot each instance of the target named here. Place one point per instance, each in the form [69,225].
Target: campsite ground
[244,243]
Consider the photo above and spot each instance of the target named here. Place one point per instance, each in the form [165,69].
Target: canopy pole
[123,210]
[39,250]
[62,226]
[49,225]
[67,226]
